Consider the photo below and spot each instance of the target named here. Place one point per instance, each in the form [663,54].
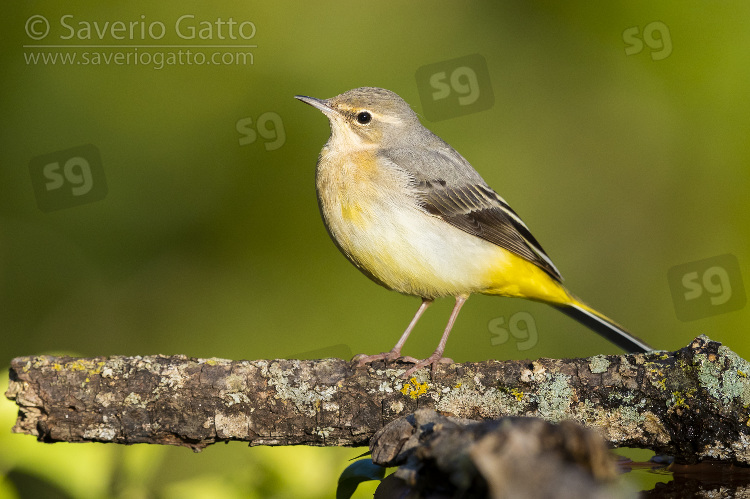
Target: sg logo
[269,126]
[463,81]
[707,287]
[68,178]
[521,326]
[661,46]
[454,88]
[76,172]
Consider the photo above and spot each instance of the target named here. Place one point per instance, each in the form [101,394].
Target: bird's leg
[395,352]
[437,355]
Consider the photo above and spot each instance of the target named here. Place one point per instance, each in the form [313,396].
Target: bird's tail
[604,326]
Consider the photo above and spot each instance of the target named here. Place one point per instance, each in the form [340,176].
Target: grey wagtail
[414,216]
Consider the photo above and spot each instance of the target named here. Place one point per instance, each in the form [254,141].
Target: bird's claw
[433,360]
[363,359]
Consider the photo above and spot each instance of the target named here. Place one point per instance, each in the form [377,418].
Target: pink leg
[437,355]
[395,353]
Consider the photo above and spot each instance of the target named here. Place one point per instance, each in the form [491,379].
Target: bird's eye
[363,117]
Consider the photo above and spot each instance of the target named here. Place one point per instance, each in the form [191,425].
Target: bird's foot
[433,360]
[363,359]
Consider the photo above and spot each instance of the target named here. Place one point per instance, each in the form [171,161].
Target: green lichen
[135,400]
[622,423]
[305,397]
[598,364]
[626,398]
[236,383]
[630,416]
[554,396]
[471,399]
[724,376]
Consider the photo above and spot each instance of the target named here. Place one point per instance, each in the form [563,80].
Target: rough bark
[691,403]
[441,456]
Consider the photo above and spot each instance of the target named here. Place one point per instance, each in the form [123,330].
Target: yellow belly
[377,224]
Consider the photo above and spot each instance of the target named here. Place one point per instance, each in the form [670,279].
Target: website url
[135,57]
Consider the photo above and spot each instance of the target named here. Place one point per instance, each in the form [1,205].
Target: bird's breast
[372,213]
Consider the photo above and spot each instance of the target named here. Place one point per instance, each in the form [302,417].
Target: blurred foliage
[205,244]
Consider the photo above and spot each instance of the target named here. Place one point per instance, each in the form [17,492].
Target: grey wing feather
[455,192]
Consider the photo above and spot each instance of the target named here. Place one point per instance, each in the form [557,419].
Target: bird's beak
[319,104]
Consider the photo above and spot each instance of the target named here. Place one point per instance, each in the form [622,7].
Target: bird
[414,216]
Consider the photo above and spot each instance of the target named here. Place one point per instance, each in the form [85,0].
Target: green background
[622,166]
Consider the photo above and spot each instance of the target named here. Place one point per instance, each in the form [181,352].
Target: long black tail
[605,327]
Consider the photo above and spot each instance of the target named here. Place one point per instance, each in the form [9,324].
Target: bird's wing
[461,198]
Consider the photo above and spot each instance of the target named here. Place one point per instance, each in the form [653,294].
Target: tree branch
[691,403]
[441,456]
